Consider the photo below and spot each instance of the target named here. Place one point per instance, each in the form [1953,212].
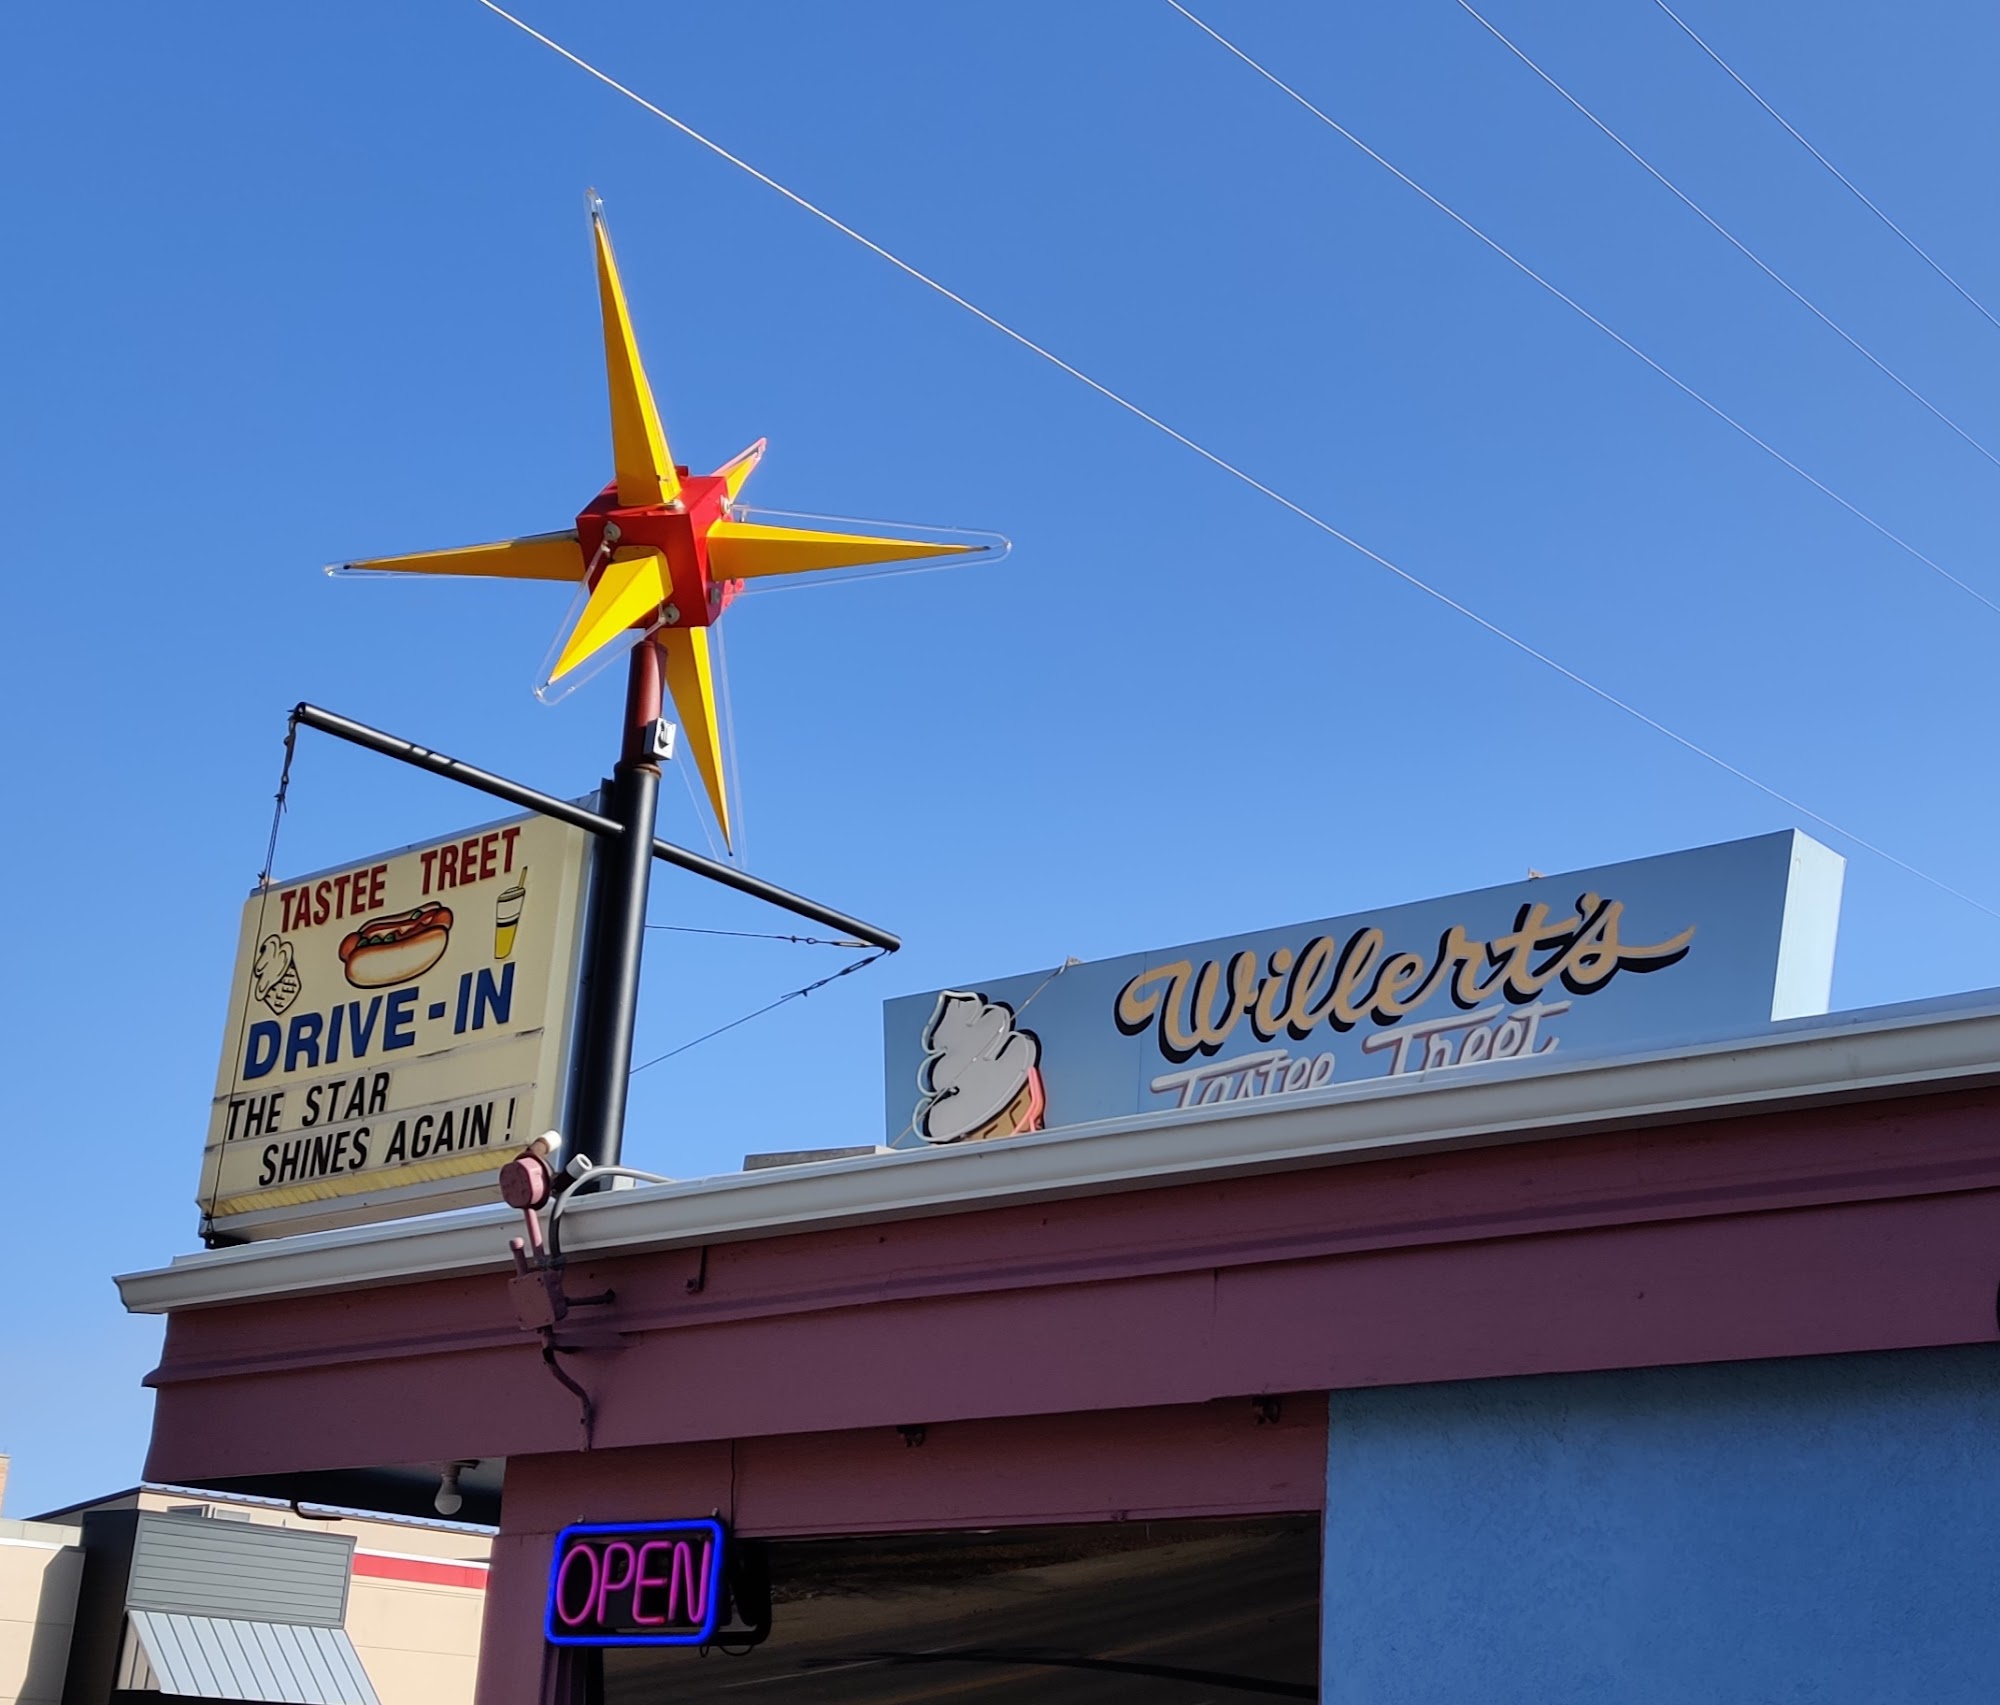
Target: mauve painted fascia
[1895,1274]
[1759,1162]
[1858,1056]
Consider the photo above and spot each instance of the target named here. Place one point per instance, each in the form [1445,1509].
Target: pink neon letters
[588,1558]
[670,1546]
[593,1573]
[606,1583]
[684,1567]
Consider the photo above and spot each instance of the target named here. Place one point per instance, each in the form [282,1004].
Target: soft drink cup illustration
[507,916]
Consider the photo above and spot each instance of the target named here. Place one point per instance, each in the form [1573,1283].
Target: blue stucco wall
[1825,1529]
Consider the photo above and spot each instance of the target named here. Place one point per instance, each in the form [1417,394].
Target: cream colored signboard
[397,1030]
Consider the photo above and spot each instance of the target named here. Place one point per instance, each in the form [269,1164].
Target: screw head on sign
[671,614]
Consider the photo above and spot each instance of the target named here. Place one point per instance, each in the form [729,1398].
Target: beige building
[41,1565]
[129,1593]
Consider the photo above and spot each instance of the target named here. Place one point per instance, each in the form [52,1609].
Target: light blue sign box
[1759,918]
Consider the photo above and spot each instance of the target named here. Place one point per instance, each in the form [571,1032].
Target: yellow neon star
[661,550]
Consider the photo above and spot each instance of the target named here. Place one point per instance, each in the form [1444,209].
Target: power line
[1569,301]
[1848,183]
[1729,236]
[1230,468]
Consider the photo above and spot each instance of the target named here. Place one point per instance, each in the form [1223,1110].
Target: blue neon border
[697,1637]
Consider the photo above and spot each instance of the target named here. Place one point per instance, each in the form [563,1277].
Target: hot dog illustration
[396,947]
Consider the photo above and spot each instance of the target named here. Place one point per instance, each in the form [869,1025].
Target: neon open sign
[636,1584]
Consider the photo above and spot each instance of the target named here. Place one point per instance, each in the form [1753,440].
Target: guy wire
[768,1006]
[263,906]
[278,810]
[763,935]
[1217,461]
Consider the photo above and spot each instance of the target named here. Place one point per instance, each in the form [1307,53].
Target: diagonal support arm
[581,817]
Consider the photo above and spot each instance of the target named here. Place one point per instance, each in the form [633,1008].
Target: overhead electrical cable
[1852,188]
[1230,468]
[1729,236]
[1570,302]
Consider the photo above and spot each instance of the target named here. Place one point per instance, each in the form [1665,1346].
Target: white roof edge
[38,1535]
[1844,1057]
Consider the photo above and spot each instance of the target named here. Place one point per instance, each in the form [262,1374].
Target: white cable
[739,844]
[700,815]
[580,1181]
[1848,183]
[1730,237]
[765,587]
[1230,468]
[1571,302]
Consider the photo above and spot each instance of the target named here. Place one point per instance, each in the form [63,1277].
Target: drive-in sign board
[396,1030]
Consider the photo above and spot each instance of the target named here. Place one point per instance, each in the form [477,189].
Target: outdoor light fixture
[449,1501]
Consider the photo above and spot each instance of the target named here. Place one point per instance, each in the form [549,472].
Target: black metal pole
[615,932]
[617,927]
[485,781]
[452,769]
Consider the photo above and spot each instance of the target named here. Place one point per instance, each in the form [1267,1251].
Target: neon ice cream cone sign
[660,552]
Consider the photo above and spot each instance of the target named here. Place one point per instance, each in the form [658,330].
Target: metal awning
[214,1657]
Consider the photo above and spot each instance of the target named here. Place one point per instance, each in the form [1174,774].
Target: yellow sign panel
[397,1031]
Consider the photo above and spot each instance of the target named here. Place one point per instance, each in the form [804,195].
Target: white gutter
[1928,1045]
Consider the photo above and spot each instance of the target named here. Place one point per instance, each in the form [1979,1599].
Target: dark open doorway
[1169,1613]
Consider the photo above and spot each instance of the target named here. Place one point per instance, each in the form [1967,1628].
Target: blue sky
[291,284]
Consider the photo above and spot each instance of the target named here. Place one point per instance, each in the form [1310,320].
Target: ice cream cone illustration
[274,979]
[507,915]
[981,1076]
